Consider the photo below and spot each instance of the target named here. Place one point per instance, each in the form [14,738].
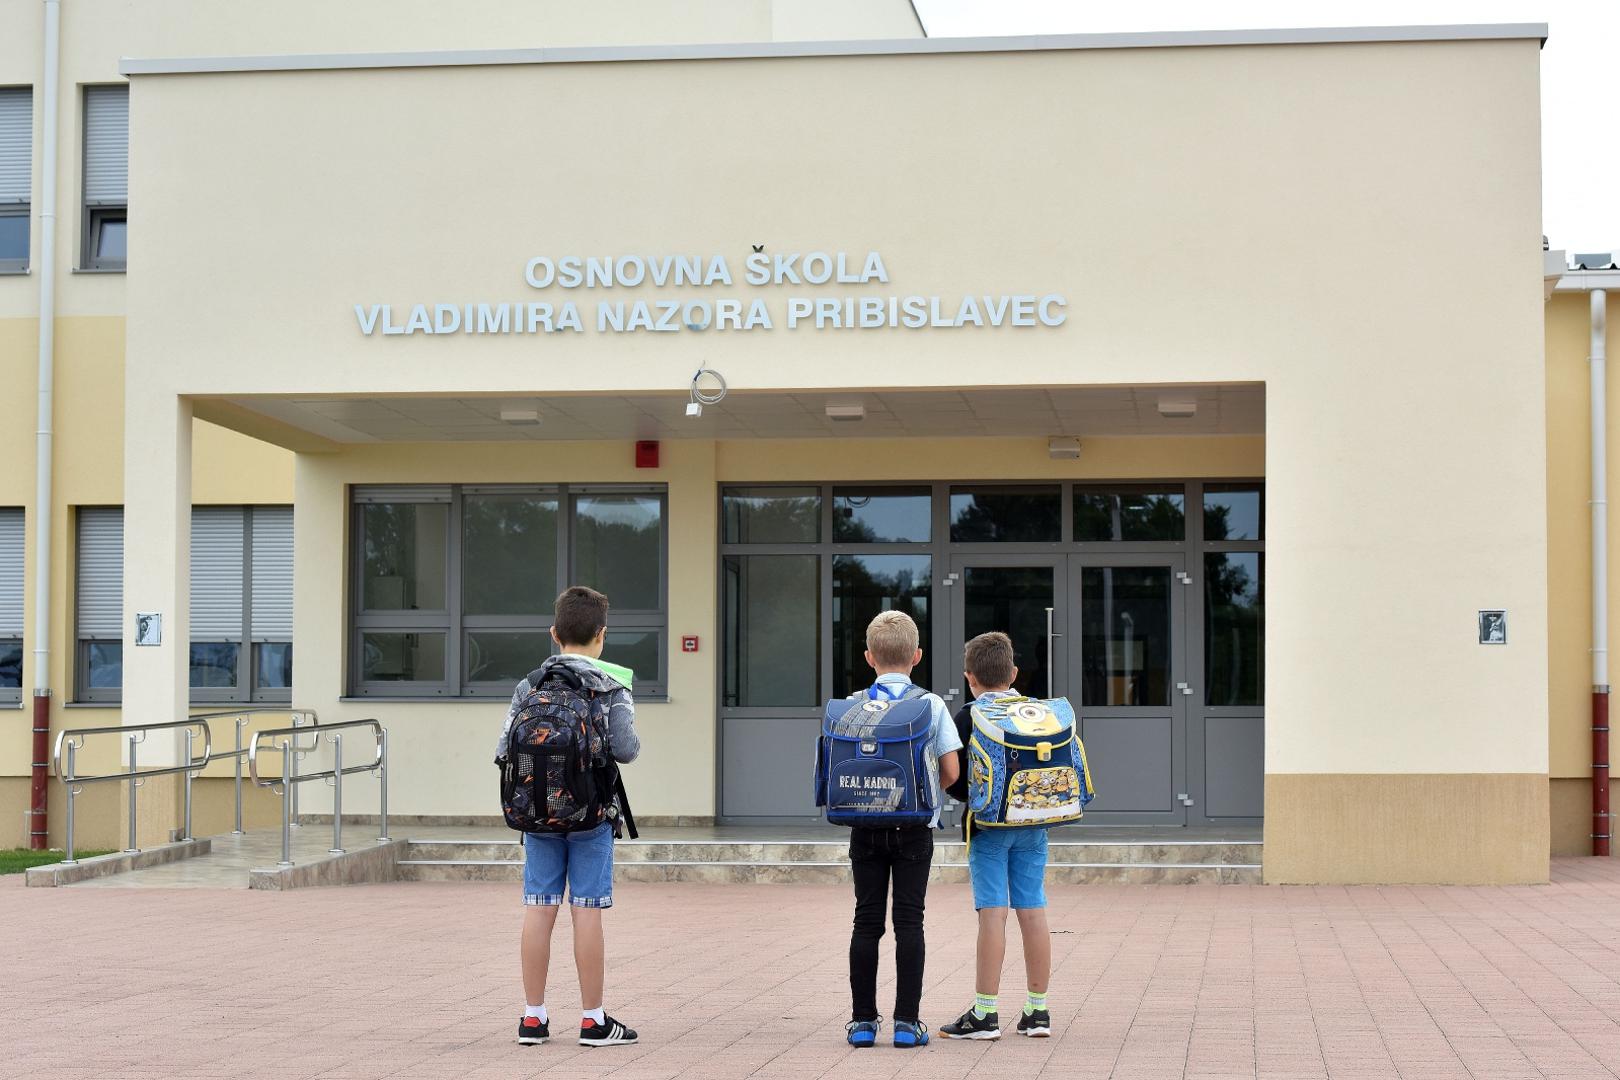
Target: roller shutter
[217,578]
[106,145]
[272,573]
[100,585]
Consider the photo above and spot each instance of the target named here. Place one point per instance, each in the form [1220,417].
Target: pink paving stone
[746,982]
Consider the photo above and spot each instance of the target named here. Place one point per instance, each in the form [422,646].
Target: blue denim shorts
[1008,868]
[583,861]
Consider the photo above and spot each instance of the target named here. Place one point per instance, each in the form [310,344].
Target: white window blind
[106,145]
[16,143]
[217,573]
[100,585]
[11,573]
[272,573]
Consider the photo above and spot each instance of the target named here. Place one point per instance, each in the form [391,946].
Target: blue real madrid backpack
[1026,766]
[875,760]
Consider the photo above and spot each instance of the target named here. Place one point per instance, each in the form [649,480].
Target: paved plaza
[420,980]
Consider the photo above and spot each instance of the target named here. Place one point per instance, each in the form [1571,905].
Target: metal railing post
[186,834]
[382,816]
[337,794]
[286,802]
[241,722]
[71,792]
[134,783]
[297,721]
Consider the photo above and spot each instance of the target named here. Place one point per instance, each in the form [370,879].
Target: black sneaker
[1037,1024]
[532,1031]
[970,1026]
[608,1033]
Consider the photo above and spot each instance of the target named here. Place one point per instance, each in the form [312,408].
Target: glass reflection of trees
[864,585]
[1234,628]
[1132,516]
[509,555]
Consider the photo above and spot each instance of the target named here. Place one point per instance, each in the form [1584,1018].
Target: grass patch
[16,860]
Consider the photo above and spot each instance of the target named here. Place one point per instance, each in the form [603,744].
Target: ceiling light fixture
[520,417]
[1060,447]
[845,413]
[1177,408]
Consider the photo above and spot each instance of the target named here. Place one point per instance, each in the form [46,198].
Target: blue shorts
[584,860]
[1008,868]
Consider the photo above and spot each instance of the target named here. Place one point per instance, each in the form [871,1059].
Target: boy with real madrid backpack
[1023,771]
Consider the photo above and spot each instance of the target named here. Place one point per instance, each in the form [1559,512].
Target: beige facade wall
[1302,214]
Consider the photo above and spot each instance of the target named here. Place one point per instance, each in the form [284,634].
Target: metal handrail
[240,753]
[72,740]
[289,779]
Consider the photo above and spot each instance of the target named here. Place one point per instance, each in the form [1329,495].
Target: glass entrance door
[1021,596]
[1129,684]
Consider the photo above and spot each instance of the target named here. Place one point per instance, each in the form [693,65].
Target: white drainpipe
[42,452]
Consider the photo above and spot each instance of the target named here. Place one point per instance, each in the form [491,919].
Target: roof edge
[1164,39]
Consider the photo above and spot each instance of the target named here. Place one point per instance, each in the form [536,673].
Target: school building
[1226,371]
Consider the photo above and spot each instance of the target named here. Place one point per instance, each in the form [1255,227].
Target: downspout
[1598,362]
[37,828]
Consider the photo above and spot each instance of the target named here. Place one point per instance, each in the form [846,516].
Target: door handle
[1184,688]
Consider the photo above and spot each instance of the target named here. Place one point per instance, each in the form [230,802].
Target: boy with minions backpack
[1023,771]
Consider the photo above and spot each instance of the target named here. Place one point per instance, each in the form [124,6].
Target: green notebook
[618,671]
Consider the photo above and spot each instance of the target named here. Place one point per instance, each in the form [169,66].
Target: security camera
[694,409]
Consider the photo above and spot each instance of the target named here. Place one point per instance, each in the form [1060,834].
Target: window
[863,586]
[1234,628]
[1144,514]
[770,606]
[882,515]
[455,583]
[1006,515]
[781,515]
[241,604]
[16,175]
[99,604]
[1234,512]
[11,605]
[106,178]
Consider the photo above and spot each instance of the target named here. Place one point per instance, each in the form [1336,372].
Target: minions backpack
[1026,766]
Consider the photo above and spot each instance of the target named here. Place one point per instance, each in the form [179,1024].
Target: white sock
[538,1011]
[595,1015]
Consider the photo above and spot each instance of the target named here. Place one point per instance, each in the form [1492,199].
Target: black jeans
[876,856]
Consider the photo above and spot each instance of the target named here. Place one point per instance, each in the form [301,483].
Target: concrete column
[157,579]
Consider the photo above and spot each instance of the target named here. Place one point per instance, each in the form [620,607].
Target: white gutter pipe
[1598,362]
[37,835]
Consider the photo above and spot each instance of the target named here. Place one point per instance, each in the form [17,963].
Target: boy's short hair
[580,615]
[989,659]
[891,638]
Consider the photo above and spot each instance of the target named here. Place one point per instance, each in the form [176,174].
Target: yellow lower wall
[1414,828]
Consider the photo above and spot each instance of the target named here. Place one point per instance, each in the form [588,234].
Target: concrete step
[835,852]
[743,872]
[1071,861]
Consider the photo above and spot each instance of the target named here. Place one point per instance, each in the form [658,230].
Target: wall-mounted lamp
[1060,447]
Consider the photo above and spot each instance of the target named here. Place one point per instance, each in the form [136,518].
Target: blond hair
[891,638]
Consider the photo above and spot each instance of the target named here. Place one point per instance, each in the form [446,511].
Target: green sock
[984,1005]
[1034,1003]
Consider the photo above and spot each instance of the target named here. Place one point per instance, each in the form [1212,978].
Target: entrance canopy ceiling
[1237,409]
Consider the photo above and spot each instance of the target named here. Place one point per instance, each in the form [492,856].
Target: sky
[1580,70]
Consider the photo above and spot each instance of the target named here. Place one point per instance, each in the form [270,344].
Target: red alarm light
[647,454]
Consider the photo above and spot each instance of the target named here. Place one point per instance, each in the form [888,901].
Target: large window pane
[1006,515]
[1015,601]
[509,555]
[882,515]
[214,664]
[14,237]
[1125,631]
[771,638]
[273,662]
[1136,515]
[505,656]
[864,585]
[401,657]
[1234,628]
[104,665]
[404,556]
[1234,512]
[636,650]
[11,658]
[617,548]
[767,515]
